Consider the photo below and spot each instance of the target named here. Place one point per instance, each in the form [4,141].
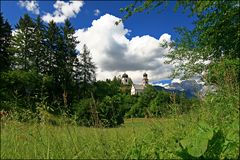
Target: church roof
[138,86]
[124,75]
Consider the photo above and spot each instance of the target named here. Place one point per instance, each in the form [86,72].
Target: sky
[132,47]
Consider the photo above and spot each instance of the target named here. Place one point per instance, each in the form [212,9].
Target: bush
[110,111]
[224,72]
[107,113]
[159,105]
[83,112]
[141,107]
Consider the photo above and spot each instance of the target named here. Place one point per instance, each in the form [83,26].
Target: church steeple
[125,79]
[145,79]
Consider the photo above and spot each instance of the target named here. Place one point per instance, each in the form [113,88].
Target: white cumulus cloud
[63,10]
[96,12]
[113,53]
[31,6]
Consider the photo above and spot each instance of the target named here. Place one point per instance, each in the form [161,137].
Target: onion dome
[124,75]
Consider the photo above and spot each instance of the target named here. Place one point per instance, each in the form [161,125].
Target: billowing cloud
[63,10]
[31,6]
[113,53]
[96,12]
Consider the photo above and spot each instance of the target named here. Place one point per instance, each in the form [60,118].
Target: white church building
[138,88]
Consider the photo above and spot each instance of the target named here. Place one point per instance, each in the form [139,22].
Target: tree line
[39,62]
[40,67]
[43,74]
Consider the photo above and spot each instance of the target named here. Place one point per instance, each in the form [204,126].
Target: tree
[107,113]
[52,38]
[105,88]
[5,55]
[54,62]
[87,71]
[110,112]
[5,36]
[70,54]
[215,36]
[140,108]
[23,80]
[159,105]
[40,50]
[22,44]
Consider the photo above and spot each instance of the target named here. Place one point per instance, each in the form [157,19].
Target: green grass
[139,138]
[21,140]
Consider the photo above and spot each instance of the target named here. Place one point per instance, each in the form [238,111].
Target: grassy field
[211,131]
[19,140]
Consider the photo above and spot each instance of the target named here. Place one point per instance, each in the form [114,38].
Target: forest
[47,87]
[43,73]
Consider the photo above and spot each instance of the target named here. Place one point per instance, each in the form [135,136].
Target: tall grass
[136,139]
[217,117]
[21,140]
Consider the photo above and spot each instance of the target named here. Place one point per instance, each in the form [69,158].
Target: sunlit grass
[137,138]
[23,140]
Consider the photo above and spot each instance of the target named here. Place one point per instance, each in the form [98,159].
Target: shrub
[83,112]
[110,112]
[107,113]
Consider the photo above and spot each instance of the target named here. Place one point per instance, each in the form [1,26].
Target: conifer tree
[40,50]
[53,61]
[87,71]
[22,44]
[5,35]
[70,54]
[52,37]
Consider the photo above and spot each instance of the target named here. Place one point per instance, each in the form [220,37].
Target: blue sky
[131,47]
[154,24]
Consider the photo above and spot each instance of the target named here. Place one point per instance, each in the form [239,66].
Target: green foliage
[84,112]
[140,109]
[197,141]
[215,35]
[86,75]
[107,113]
[39,49]
[153,103]
[5,36]
[141,6]
[225,72]
[21,88]
[22,46]
[209,143]
[159,105]
[110,111]
[42,83]
[40,63]
[105,88]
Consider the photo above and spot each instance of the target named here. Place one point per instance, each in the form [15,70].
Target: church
[136,88]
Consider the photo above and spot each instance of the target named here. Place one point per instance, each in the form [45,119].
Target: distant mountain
[162,83]
[190,87]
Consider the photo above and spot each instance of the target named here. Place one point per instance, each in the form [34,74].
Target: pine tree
[22,44]
[70,54]
[5,35]
[40,50]
[52,38]
[87,71]
[54,61]
[5,55]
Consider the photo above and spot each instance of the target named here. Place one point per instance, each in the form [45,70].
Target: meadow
[19,140]
[207,131]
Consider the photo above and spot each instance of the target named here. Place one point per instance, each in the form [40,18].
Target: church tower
[125,79]
[145,79]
